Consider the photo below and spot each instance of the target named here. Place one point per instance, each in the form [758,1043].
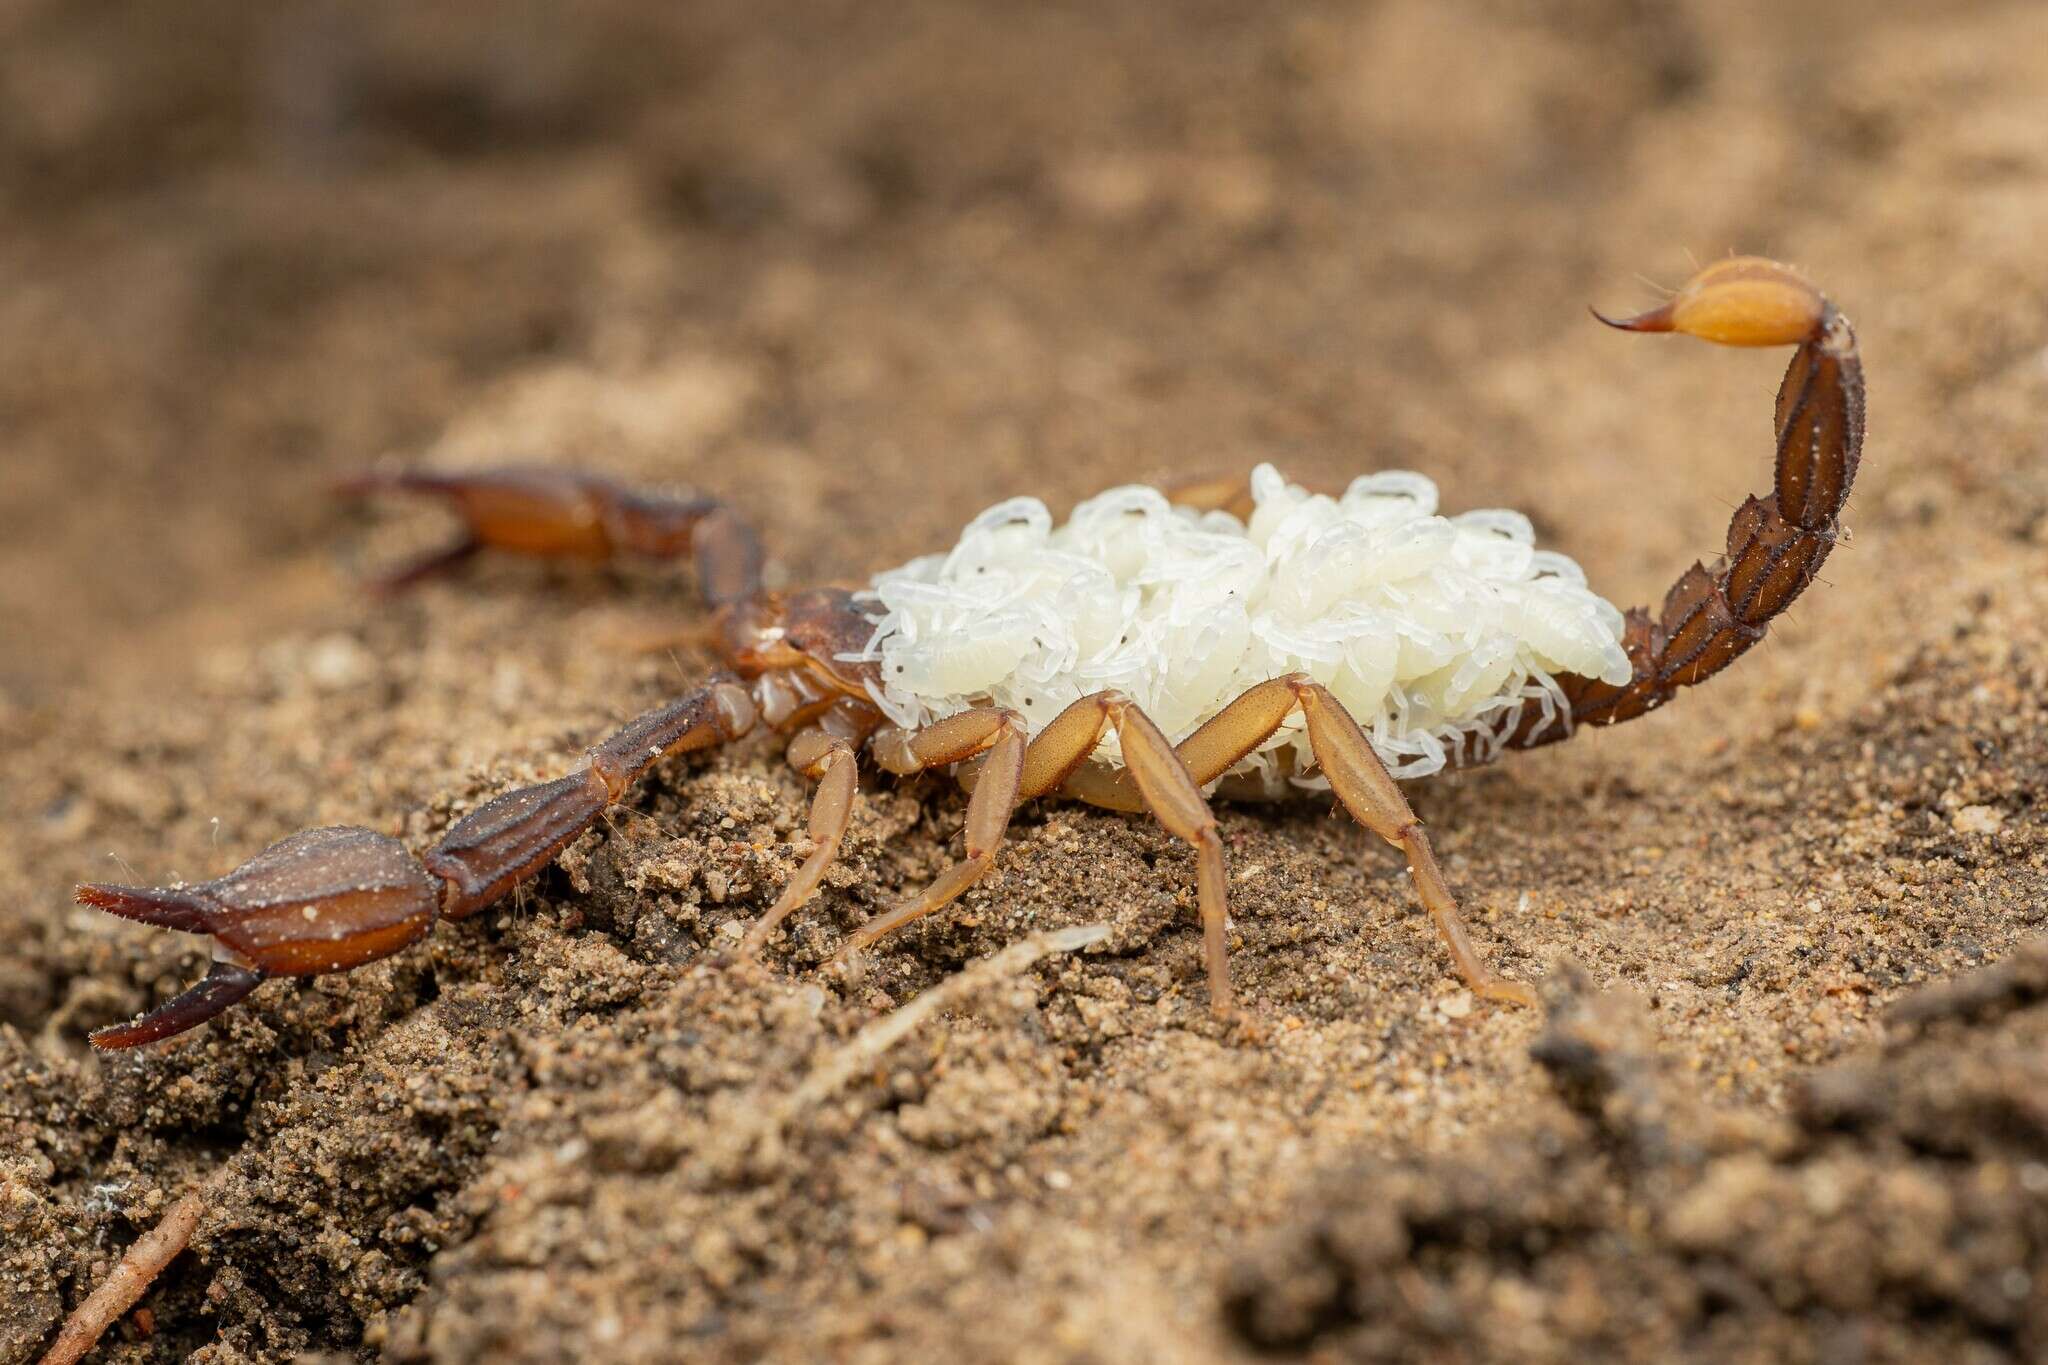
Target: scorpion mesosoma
[984,662]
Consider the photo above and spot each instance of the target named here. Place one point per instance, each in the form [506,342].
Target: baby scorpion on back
[1250,639]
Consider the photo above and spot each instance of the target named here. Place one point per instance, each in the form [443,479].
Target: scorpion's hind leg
[329,900]
[1362,783]
[561,514]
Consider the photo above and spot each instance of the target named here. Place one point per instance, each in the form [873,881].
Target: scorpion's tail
[1776,544]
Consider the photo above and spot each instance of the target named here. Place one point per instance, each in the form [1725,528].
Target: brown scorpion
[1298,644]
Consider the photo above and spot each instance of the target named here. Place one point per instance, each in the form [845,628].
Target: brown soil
[863,270]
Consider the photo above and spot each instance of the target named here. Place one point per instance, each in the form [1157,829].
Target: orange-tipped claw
[1742,301]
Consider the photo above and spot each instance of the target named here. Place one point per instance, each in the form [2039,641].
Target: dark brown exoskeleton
[328,900]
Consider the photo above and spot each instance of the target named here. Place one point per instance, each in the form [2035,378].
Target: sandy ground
[863,270]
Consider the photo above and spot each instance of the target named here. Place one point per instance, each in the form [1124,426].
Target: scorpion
[1244,638]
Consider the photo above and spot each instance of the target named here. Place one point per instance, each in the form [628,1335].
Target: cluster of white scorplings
[1432,630]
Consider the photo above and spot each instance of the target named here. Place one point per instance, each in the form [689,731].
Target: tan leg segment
[1241,727]
[829,761]
[1362,783]
[1214,495]
[1163,785]
[1175,800]
[955,739]
[998,733]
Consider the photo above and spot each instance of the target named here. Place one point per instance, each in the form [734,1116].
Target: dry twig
[130,1279]
[773,1115]
[878,1037]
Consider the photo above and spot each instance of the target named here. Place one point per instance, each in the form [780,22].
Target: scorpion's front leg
[994,731]
[1015,772]
[329,900]
[826,754]
[1362,784]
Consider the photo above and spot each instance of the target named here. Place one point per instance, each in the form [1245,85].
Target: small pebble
[337,661]
[1978,820]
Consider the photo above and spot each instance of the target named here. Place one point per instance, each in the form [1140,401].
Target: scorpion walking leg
[1000,734]
[330,900]
[1362,783]
[829,761]
[1163,787]
[560,514]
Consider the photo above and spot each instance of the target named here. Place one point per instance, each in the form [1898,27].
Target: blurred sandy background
[864,270]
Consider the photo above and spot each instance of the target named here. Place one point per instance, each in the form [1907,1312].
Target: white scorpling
[1432,630]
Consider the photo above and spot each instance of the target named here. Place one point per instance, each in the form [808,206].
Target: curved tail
[1776,544]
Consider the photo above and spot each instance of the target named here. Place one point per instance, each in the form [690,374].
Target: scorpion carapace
[1335,637]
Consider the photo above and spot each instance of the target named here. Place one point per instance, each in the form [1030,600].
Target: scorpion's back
[1433,630]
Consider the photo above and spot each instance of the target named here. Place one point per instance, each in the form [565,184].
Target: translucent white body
[1432,630]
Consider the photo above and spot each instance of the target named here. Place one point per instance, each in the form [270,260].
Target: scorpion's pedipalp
[1776,544]
[430,565]
[323,900]
[511,837]
[332,899]
[550,513]
[724,550]
[171,907]
[560,514]
[729,558]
